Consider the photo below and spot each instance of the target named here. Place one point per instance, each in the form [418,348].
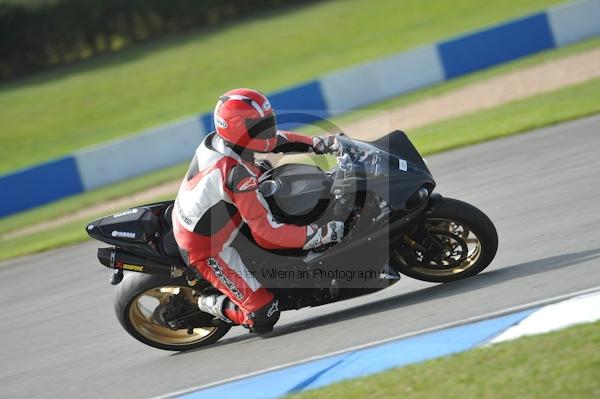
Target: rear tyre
[454,241]
[141,301]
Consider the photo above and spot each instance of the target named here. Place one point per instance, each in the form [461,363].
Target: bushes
[38,34]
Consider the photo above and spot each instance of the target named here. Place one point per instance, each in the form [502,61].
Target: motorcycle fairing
[390,167]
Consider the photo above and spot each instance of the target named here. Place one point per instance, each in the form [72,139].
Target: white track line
[468,320]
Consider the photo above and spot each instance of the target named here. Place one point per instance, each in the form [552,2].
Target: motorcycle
[394,224]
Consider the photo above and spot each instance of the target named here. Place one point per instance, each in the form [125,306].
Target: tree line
[39,34]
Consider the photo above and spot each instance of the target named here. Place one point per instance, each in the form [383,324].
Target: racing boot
[261,322]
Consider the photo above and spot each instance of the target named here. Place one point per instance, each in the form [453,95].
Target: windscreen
[391,155]
[364,158]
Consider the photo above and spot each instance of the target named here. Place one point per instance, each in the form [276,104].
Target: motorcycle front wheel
[144,303]
[453,241]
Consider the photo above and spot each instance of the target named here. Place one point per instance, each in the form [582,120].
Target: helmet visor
[263,128]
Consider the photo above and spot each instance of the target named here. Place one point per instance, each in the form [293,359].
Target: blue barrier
[39,185]
[299,105]
[306,97]
[207,121]
[308,102]
[494,46]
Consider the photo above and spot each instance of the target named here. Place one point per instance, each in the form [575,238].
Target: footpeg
[116,277]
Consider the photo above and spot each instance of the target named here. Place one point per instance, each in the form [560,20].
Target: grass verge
[562,364]
[63,110]
[550,108]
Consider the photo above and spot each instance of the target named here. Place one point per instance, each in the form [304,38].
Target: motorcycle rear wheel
[139,302]
[465,238]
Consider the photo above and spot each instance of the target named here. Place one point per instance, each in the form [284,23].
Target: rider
[220,192]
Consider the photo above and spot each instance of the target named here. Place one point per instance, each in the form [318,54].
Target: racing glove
[331,232]
[325,144]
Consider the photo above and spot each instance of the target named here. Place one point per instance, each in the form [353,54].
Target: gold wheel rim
[146,320]
[468,236]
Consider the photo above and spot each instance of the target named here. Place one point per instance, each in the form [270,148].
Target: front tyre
[453,241]
[148,307]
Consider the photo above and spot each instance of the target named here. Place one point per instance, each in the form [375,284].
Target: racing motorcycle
[394,224]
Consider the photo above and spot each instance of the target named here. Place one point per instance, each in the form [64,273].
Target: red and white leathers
[218,194]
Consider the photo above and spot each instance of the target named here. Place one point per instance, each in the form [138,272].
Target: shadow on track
[428,294]
[446,290]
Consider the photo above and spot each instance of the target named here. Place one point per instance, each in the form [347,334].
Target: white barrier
[574,22]
[384,78]
[132,156]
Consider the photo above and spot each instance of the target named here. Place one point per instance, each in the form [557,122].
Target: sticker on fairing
[135,268]
[402,165]
[123,234]
[125,213]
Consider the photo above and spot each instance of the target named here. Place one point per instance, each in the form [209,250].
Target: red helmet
[244,118]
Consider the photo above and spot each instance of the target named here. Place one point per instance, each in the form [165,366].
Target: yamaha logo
[123,234]
[266,105]
[220,122]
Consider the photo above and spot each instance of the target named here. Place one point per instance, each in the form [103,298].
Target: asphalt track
[542,189]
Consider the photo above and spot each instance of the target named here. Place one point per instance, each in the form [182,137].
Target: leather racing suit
[218,194]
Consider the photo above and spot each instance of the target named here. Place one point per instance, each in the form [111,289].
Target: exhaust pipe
[116,258]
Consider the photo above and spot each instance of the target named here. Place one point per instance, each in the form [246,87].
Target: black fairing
[397,143]
[138,225]
[400,171]
[302,193]
[147,229]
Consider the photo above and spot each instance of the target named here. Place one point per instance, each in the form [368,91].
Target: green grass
[550,108]
[69,233]
[63,110]
[562,364]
